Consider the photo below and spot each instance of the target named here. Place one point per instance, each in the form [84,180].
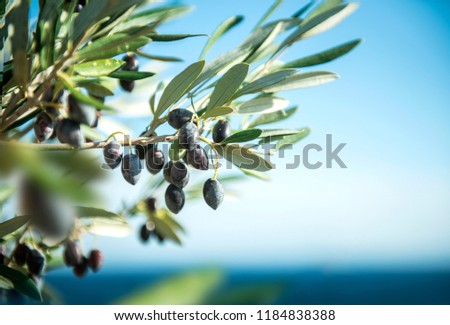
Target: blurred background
[377,232]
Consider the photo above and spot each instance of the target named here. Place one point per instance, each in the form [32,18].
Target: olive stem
[86,146]
[216,172]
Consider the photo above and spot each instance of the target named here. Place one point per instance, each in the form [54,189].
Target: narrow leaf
[303,80]
[262,105]
[131,75]
[267,14]
[95,212]
[224,27]
[98,68]
[259,175]
[266,81]
[292,139]
[178,86]
[323,57]
[243,157]
[272,117]
[277,133]
[324,6]
[171,37]
[243,136]
[217,111]
[11,225]
[228,85]
[21,282]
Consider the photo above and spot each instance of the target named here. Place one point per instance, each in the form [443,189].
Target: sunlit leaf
[272,117]
[228,85]
[98,68]
[268,80]
[178,86]
[21,282]
[323,57]
[224,27]
[262,105]
[131,75]
[324,6]
[292,139]
[217,111]
[303,80]
[110,227]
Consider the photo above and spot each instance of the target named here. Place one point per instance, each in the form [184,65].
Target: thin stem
[92,145]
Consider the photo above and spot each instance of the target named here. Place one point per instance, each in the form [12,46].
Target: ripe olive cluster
[32,258]
[73,257]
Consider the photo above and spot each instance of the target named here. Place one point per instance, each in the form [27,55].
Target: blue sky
[390,208]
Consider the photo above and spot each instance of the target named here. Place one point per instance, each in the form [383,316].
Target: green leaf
[12,225]
[262,105]
[188,288]
[268,80]
[165,228]
[85,98]
[110,227]
[323,57]
[324,6]
[112,45]
[224,27]
[278,132]
[5,193]
[98,68]
[131,75]
[302,80]
[97,89]
[294,138]
[45,32]
[320,23]
[243,136]
[304,9]
[171,37]
[217,111]
[159,57]
[178,86]
[273,117]
[17,22]
[21,282]
[243,157]
[267,14]
[96,213]
[228,85]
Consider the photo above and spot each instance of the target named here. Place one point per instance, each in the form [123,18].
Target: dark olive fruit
[131,63]
[151,204]
[166,171]
[154,159]
[131,168]
[174,198]
[50,214]
[127,85]
[145,233]
[72,253]
[197,158]
[179,174]
[188,136]
[213,193]
[178,117]
[21,253]
[158,235]
[112,153]
[81,269]
[80,112]
[69,132]
[95,260]
[35,262]
[221,131]
[43,127]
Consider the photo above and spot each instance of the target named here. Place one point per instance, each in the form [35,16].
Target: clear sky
[390,207]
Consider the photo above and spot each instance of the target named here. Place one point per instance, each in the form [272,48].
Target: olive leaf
[323,57]
[259,175]
[262,105]
[45,33]
[224,27]
[217,111]
[243,157]
[131,75]
[171,37]
[273,117]
[12,225]
[98,68]
[268,80]
[292,139]
[302,80]
[228,85]
[92,212]
[21,282]
[324,6]
[267,14]
[165,226]
[178,86]
[277,132]
[320,23]
[109,227]
[243,136]
[18,20]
